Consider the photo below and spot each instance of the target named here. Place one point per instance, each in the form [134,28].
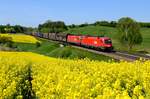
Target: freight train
[95,42]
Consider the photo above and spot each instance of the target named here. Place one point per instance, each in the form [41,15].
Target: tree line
[52,27]
[106,23]
[144,24]
[58,26]
[11,29]
[16,29]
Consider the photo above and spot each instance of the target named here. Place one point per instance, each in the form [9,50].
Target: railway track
[117,55]
[134,56]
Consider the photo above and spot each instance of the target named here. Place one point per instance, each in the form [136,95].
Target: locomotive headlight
[95,42]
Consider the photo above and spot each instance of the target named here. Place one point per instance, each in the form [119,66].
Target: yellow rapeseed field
[72,79]
[21,38]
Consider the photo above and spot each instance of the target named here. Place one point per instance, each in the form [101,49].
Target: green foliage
[106,23]
[6,40]
[52,26]
[29,30]
[83,25]
[45,30]
[73,53]
[97,23]
[144,24]
[129,31]
[93,30]
[11,29]
[72,26]
[38,44]
[16,29]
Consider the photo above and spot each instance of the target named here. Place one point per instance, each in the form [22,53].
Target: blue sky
[34,12]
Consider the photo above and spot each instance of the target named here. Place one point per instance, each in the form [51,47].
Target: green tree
[9,29]
[129,32]
[45,30]
[2,29]
[52,26]
[18,29]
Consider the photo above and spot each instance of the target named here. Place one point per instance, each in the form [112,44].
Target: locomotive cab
[107,43]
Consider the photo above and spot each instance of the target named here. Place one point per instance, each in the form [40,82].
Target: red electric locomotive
[103,43]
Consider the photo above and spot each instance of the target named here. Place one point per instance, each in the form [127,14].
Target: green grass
[93,30]
[52,49]
[112,33]
[70,52]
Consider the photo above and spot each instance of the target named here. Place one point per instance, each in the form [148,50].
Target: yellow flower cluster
[74,79]
[21,38]
[12,72]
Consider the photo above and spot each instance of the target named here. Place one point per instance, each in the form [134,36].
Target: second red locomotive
[97,42]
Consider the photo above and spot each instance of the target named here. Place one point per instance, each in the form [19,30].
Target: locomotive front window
[108,42]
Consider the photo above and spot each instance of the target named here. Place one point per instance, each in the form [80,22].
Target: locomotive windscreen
[108,41]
